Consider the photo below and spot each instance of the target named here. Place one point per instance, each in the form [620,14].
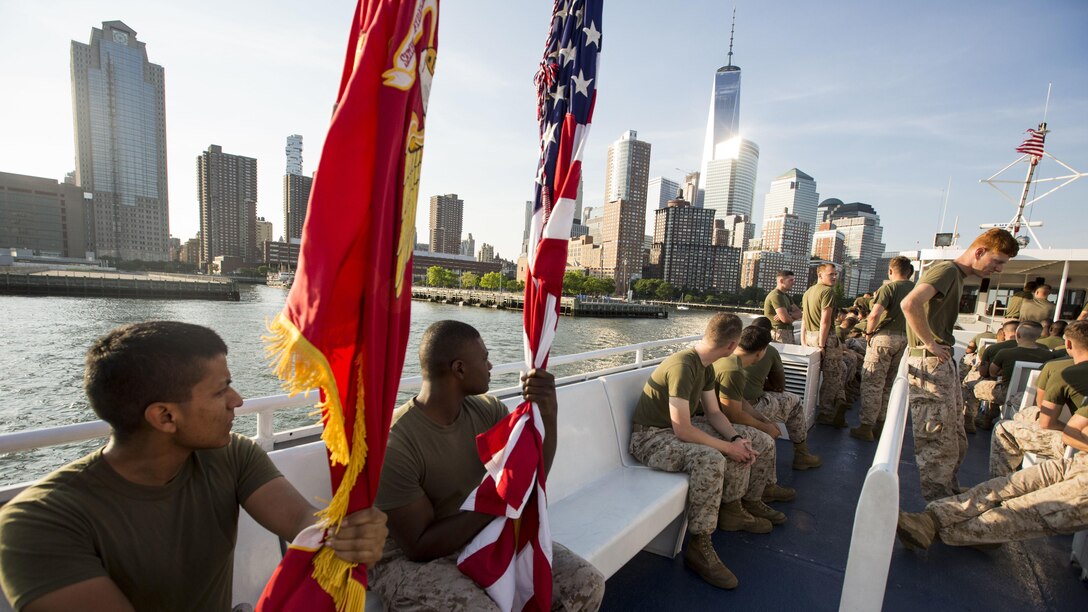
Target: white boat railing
[877,513]
[266,407]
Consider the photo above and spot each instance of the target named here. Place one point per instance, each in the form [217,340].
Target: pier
[79,283]
[568,306]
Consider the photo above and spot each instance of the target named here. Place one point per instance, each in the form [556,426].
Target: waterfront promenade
[113,284]
[569,306]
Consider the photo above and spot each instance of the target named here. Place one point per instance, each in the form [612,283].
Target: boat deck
[800,566]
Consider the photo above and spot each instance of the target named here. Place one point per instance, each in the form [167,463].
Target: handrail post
[265,430]
[639,356]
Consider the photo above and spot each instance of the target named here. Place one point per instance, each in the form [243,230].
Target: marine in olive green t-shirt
[1051,369]
[943,308]
[1052,342]
[774,300]
[166,548]
[681,375]
[440,462]
[1006,359]
[1016,300]
[817,298]
[991,350]
[1040,311]
[731,375]
[889,296]
[1068,386]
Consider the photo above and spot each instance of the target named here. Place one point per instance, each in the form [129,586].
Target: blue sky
[880,102]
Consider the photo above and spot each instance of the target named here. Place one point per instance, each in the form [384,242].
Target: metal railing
[877,513]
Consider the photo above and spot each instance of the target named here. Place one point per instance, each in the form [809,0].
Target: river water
[43,340]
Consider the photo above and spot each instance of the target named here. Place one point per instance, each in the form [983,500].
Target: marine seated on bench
[149,521]
[432,465]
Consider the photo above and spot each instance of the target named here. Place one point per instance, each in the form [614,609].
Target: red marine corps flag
[345,325]
[511,558]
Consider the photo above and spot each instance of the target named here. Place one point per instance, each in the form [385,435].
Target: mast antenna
[732,29]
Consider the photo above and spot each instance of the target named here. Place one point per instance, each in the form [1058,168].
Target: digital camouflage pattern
[784,407]
[878,373]
[940,442]
[1016,436]
[783,335]
[714,479]
[831,367]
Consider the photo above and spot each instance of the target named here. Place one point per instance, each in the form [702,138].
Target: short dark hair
[1057,328]
[1030,286]
[136,365]
[722,329]
[901,265]
[754,339]
[1014,323]
[1077,333]
[442,343]
[763,322]
[784,274]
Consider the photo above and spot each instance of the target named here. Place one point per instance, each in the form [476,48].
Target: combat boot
[840,416]
[969,422]
[986,419]
[802,459]
[701,558]
[777,493]
[916,530]
[733,517]
[878,428]
[761,510]
[863,432]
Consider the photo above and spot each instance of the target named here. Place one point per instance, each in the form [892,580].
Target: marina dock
[80,283]
[569,306]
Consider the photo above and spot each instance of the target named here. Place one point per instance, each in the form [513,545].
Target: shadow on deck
[800,566]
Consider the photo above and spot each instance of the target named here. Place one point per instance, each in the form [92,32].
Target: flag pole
[1019,218]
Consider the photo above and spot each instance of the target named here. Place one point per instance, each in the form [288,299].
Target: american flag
[1033,144]
[511,557]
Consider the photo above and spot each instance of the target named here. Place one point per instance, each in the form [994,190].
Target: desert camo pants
[783,335]
[940,442]
[714,478]
[439,585]
[878,373]
[851,381]
[831,367]
[1019,435]
[1050,498]
[784,407]
[967,390]
[984,389]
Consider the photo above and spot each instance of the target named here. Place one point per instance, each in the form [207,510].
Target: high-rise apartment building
[468,246]
[828,244]
[863,243]
[792,192]
[264,232]
[296,190]
[486,254]
[682,252]
[690,187]
[623,227]
[119,106]
[447,213]
[660,191]
[43,216]
[227,187]
[759,268]
[787,233]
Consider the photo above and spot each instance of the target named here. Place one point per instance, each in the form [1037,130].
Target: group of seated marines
[150,520]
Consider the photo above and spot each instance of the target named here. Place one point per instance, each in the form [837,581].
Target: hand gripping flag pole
[511,557]
[344,328]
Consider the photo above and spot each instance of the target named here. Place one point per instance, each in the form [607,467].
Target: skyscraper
[792,192]
[296,190]
[729,182]
[682,252]
[447,212]
[659,191]
[119,103]
[227,185]
[863,241]
[468,246]
[723,121]
[624,224]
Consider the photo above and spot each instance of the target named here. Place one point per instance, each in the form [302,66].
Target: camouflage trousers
[940,442]
[1050,498]
[783,335]
[784,407]
[439,585]
[984,389]
[1019,435]
[831,367]
[851,381]
[968,369]
[714,478]
[878,373]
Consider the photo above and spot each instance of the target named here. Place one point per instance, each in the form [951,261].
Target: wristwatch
[735,438]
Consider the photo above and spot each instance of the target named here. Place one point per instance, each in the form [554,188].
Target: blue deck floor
[800,566]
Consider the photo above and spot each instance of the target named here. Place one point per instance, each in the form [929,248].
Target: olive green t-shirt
[1036,310]
[1052,342]
[992,350]
[889,296]
[1051,369]
[731,376]
[774,300]
[863,303]
[1016,300]
[1006,359]
[943,308]
[681,375]
[816,299]
[1069,386]
[755,375]
[440,462]
[166,548]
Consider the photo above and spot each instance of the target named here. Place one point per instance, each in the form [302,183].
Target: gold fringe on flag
[333,574]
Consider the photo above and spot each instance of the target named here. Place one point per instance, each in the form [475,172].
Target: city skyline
[879,115]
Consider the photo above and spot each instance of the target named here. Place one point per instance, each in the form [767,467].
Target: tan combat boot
[916,530]
[759,509]
[803,459]
[733,517]
[863,432]
[777,493]
[701,558]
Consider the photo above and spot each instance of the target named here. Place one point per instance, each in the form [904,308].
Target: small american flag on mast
[511,557]
[1033,144]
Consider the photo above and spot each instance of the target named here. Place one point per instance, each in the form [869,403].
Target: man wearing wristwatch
[819,307]
[729,472]
[936,406]
[886,333]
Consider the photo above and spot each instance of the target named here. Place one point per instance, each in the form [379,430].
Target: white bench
[1018,383]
